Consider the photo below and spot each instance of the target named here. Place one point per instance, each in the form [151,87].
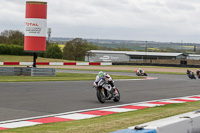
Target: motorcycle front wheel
[117,98]
[101,95]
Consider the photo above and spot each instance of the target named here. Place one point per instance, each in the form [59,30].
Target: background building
[193,57]
[121,56]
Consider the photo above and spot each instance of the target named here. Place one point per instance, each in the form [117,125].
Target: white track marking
[118,110]
[19,124]
[72,112]
[77,116]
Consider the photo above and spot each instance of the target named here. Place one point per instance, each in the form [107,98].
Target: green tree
[122,49]
[76,49]
[12,37]
[53,51]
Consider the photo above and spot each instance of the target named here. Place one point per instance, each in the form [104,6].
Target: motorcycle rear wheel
[101,95]
[117,98]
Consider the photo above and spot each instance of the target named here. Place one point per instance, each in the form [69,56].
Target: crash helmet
[101,74]
[140,69]
[106,75]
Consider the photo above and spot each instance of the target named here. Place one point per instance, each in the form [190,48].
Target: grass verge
[60,77]
[17,58]
[110,123]
[127,71]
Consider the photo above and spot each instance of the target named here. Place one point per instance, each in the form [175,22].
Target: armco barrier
[6,71]
[184,123]
[26,71]
[43,72]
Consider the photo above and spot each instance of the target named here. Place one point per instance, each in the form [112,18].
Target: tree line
[12,43]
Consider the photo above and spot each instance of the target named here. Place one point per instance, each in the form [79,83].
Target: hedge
[12,50]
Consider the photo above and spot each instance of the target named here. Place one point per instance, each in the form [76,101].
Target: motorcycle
[141,74]
[104,91]
[191,75]
[198,76]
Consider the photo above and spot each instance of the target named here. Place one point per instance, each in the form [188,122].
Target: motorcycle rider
[197,72]
[140,71]
[192,76]
[108,79]
[188,72]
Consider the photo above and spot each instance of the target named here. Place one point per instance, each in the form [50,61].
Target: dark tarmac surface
[31,99]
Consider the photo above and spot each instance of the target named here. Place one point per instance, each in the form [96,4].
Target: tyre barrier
[183,123]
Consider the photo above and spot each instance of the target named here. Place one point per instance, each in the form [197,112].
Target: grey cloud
[167,20]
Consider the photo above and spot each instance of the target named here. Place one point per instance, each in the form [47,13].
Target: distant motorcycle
[198,73]
[105,92]
[188,73]
[141,74]
[191,75]
[198,76]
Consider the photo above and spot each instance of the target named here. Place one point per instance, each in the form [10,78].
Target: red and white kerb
[35,26]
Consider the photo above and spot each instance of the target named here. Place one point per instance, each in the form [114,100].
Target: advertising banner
[35,26]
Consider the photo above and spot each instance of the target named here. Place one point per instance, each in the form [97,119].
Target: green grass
[175,73]
[110,123]
[15,58]
[127,71]
[60,77]
[136,66]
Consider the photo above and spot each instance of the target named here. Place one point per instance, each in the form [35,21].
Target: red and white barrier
[56,63]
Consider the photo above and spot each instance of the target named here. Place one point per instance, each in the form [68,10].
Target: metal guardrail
[6,71]
[18,71]
[43,72]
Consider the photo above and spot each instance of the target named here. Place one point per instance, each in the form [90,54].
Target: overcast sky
[146,20]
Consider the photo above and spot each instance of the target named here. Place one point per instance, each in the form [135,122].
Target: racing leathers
[107,79]
[140,71]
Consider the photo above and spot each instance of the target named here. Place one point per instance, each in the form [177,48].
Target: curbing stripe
[149,105]
[49,120]
[184,100]
[90,113]
[195,99]
[118,110]
[19,124]
[162,103]
[78,116]
[171,101]
[134,107]
[98,112]
[1,128]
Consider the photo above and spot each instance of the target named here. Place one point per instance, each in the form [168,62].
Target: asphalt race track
[30,99]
